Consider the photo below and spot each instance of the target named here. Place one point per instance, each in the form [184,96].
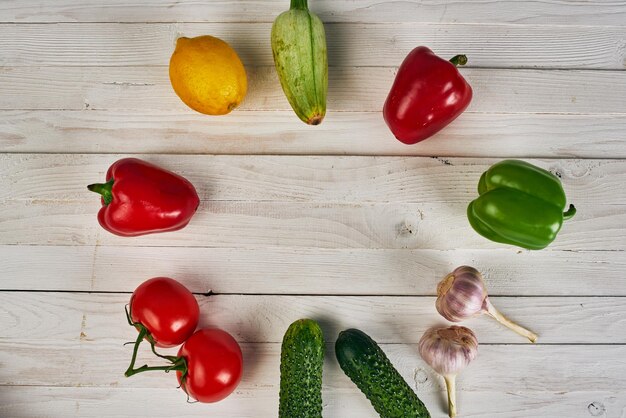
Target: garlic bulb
[448,351]
[462,294]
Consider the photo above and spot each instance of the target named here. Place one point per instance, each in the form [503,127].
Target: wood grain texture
[35,401]
[298,270]
[368,11]
[349,45]
[490,377]
[354,202]
[259,319]
[302,225]
[47,178]
[350,89]
[343,202]
[281,132]
[101,363]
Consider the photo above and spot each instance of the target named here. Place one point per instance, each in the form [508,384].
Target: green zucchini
[301,361]
[299,48]
[363,361]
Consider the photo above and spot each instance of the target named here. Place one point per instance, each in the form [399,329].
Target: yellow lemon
[207,75]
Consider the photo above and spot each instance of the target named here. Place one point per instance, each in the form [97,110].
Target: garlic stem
[451,387]
[491,310]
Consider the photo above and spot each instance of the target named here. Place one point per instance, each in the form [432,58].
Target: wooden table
[338,222]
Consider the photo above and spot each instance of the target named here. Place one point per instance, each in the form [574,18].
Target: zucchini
[299,50]
[301,361]
[363,361]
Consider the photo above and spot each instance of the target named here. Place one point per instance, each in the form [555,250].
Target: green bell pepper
[519,204]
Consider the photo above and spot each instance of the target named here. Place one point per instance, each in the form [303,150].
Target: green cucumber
[368,367]
[301,361]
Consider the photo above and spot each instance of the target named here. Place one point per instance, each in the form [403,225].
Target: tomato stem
[178,363]
[140,337]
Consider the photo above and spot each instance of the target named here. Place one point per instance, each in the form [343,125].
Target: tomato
[167,309]
[214,365]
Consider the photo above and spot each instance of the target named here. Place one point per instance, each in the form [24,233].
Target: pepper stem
[451,388]
[571,211]
[105,189]
[299,5]
[459,60]
[494,313]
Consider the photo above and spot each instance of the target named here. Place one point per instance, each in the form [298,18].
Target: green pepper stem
[571,211]
[459,60]
[299,5]
[494,313]
[105,189]
[451,388]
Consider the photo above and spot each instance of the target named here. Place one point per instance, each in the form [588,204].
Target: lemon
[207,75]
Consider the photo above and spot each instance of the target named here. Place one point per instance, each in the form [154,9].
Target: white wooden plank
[373,11]
[495,46]
[350,89]
[310,270]
[474,135]
[322,225]
[355,202]
[342,180]
[523,371]
[29,402]
[257,319]
[519,368]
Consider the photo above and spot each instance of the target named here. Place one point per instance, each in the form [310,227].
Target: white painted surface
[310,221]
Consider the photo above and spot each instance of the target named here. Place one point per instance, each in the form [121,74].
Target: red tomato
[167,309]
[214,365]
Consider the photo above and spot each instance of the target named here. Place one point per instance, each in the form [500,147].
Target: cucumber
[301,361]
[368,367]
[299,50]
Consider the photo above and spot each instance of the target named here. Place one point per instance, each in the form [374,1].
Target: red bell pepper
[140,198]
[427,94]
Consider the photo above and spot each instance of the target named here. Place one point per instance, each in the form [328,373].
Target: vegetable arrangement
[518,204]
